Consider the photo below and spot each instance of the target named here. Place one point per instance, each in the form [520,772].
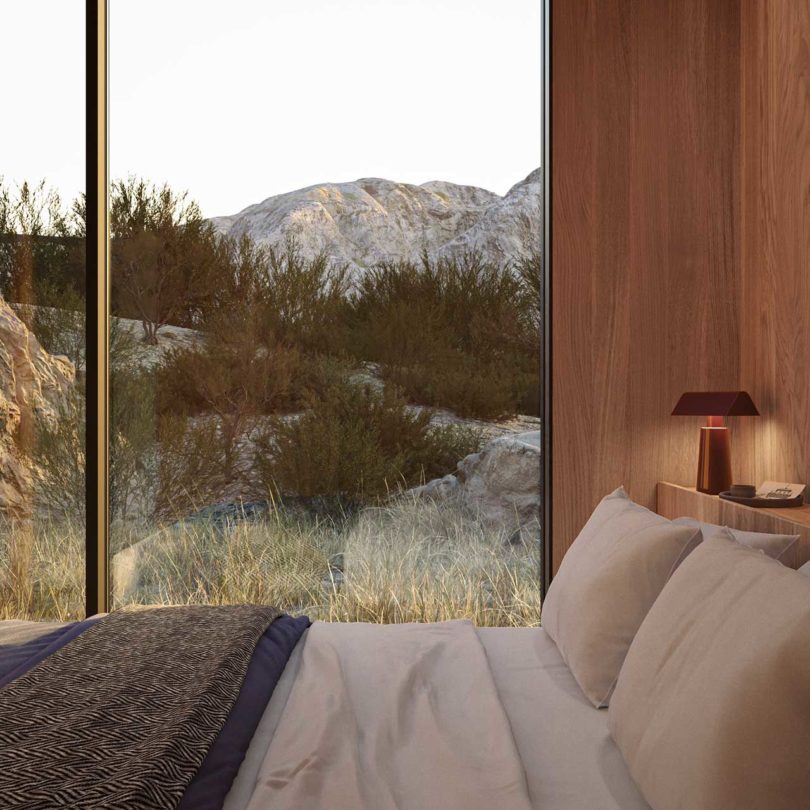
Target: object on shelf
[714,459]
[770,494]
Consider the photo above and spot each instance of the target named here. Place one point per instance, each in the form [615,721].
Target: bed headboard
[678,501]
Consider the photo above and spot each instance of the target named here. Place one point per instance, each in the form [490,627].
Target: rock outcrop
[372,220]
[510,229]
[32,383]
[500,484]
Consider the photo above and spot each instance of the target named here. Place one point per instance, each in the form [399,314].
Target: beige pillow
[606,583]
[805,569]
[774,545]
[712,707]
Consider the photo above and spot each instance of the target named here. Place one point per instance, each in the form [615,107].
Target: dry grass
[41,570]
[411,561]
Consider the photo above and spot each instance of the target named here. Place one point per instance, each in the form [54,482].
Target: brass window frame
[97,581]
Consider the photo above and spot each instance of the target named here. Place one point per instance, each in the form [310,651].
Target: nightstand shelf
[674,501]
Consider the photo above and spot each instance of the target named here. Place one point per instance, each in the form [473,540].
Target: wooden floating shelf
[675,501]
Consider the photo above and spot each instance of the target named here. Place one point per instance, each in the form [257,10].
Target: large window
[325,286]
[324,295]
[42,311]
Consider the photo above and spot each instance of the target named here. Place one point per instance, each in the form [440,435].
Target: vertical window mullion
[97,381]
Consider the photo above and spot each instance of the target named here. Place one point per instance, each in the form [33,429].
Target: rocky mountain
[32,383]
[372,220]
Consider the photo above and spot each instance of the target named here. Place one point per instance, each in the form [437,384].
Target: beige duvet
[397,717]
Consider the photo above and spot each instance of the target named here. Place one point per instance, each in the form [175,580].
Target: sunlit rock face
[373,220]
[500,485]
[32,383]
[510,229]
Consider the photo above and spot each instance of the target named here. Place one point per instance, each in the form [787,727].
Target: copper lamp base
[714,460]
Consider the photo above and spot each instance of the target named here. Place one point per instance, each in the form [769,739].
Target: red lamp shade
[714,458]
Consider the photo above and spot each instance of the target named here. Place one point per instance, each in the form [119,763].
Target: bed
[482,715]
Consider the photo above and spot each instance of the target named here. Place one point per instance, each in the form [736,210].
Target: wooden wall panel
[775,313]
[645,173]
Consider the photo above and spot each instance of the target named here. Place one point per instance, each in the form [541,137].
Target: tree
[237,370]
[163,255]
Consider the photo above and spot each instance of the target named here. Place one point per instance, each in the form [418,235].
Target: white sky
[42,119]
[241,99]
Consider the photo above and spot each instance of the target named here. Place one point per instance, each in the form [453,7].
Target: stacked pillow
[710,663]
[777,546]
[712,706]
[605,585]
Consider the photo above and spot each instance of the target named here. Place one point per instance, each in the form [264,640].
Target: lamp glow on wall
[714,457]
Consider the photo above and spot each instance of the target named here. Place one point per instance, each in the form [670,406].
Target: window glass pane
[326,223]
[42,303]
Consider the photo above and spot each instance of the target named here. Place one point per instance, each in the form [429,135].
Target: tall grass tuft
[42,570]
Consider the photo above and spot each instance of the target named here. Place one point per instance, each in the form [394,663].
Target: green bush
[305,302]
[191,466]
[133,438]
[59,453]
[460,334]
[359,443]
[468,386]
[58,321]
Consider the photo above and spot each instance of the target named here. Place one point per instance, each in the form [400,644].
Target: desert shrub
[530,272]
[462,384]
[133,425]
[133,434]
[40,242]
[455,333]
[58,321]
[296,302]
[190,468]
[357,442]
[305,301]
[229,379]
[59,456]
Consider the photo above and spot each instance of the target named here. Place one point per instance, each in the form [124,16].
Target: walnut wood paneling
[676,501]
[645,173]
[775,305]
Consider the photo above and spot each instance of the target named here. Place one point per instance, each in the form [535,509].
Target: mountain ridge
[370,220]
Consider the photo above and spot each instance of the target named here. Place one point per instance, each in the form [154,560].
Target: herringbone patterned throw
[123,716]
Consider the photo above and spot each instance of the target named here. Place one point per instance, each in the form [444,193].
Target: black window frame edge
[546,349]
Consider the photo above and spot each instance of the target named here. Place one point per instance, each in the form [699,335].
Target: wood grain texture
[775,303]
[675,501]
[645,186]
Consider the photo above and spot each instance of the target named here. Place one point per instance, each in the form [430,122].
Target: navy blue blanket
[213,780]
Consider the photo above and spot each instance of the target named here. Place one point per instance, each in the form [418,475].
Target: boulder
[500,484]
[32,384]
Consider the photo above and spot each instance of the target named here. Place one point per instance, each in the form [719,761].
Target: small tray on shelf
[769,503]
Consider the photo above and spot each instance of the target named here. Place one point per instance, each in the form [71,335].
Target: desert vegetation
[404,561]
[293,378]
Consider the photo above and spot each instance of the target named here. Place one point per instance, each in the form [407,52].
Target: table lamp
[714,458]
